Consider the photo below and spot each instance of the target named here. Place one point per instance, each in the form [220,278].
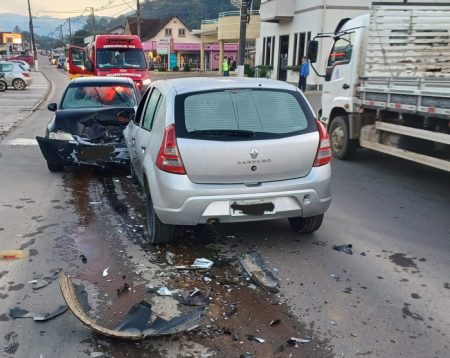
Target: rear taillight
[25,74]
[324,152]
[138,85]
[169,158]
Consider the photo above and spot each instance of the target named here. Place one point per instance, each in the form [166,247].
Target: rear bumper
[73,153]
[178,201]
[28,80]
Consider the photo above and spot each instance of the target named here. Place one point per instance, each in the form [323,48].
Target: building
[288,25]
[118,30]
[10,42]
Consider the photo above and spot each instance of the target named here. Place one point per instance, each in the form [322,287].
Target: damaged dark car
[87,127]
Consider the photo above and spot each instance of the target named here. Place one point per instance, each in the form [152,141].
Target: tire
[19,84]
[3,86]
[53,167]
[160,233]
[342,147]
[306,225]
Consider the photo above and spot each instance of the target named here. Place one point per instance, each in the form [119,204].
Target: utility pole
[93,20]
[70,33]
[138,18]
[242,37]
[36,66]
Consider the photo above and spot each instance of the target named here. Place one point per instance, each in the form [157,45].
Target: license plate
[89,153]
[251,207]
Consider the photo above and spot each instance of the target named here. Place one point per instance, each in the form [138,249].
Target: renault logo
[254,153]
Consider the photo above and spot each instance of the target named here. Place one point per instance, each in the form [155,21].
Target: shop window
[168,32]
[301,47]
[181,32]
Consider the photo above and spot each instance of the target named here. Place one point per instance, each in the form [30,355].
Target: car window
[140,109]
[342,49]
[6,67]
[262,111]
[23,68]
[118,95]
[151,109]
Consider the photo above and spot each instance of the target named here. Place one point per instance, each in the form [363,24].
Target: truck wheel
[306,225]
[19,84]
[160,233]
[342,146]
[53,167]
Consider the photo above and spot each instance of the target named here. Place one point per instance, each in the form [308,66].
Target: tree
[17,30]
[78,37]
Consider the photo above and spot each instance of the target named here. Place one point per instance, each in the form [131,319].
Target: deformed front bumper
[75,153]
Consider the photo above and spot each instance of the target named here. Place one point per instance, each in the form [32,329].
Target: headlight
[147,82]
[60,135]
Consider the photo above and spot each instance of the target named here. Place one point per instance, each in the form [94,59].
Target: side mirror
[52,107]
[312,51]
[125,116]
[88,65]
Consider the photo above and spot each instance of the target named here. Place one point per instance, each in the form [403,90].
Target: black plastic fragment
[344,248]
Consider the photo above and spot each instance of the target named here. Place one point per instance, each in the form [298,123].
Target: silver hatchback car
[16,75]
[210,150]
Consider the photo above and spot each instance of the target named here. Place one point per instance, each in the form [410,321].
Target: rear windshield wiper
[224,132]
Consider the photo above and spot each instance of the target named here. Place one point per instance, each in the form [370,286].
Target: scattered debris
[232,312]
[256,339]
[135,325]
[319,243]
[207,279]
[254,265]
[83,259]
[12,344]
[18,312]
[348,290]
[105,272]
[12,254]
[275,322]
[95,202]
[96,354]
[363,254]
[47,316]
[332,322]
[164,291]
[247,355]
[202,263]
[293,341]
[344,248]
[194,298]
[37,284]
[124,289]
[169,257]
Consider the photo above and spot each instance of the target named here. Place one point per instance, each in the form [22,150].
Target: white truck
[387,83]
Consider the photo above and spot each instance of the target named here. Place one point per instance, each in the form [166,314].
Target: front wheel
[19,84]
[53,167]
[160,233]
[306,225]
[342,147]
[3,86]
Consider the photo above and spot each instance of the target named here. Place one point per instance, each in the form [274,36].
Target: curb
[49,89]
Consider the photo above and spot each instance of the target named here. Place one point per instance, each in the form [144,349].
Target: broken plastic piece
[83,259]
[37,284]
[105,272]
[18,312]
[12,254]
[254,265]
[194,298]
[293,341]
[169,257]
[202,263]
[164,291]
[275,322]
[253,338]
[344,248]
[47,316]
[156,327]
[363,254]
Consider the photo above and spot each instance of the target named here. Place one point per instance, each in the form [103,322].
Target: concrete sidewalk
[17,105]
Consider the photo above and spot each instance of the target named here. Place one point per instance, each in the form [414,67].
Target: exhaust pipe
[212,221]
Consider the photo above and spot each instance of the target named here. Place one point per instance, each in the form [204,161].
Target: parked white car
[16,75]
[23,63]
[210,150]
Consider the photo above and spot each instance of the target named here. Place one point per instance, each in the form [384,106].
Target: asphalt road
[389,299]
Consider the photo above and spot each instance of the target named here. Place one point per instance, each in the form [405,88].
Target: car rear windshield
[98,96]
[242,113]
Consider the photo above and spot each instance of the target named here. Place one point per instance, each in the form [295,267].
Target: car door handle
[345,86]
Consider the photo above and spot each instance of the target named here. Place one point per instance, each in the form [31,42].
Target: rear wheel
[53,167]
[3,86]
[19,84]
[160,233]
[306,225]
[342,146]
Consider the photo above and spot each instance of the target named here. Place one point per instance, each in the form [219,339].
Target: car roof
[197,84]
[100,80]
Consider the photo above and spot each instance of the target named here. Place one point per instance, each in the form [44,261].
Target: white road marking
[21,141]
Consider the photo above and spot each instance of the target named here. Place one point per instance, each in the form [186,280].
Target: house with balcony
[288,25]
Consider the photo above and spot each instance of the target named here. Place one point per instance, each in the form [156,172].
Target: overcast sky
[67,8]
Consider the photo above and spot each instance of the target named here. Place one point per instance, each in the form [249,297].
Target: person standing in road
[226,67]
[304,73]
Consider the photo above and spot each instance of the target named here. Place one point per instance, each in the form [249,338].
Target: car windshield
[91,96]
[120,58]
[243,112]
